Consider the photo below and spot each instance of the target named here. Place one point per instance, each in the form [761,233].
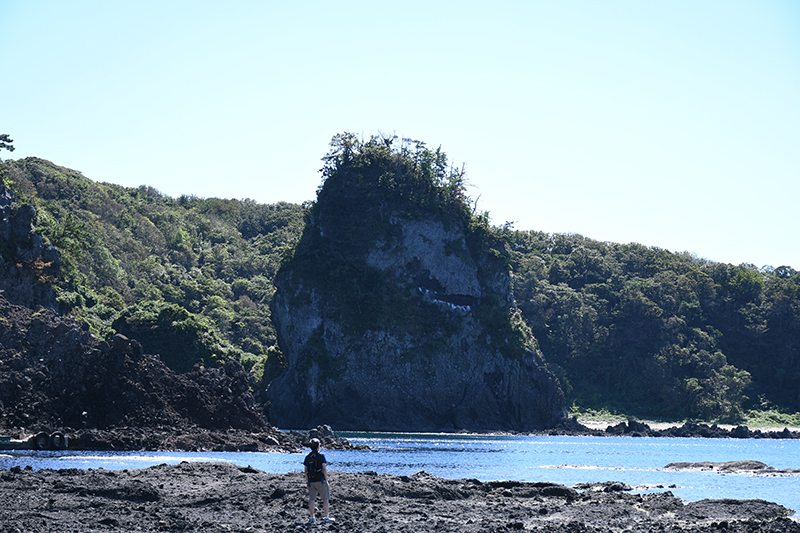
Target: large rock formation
[396,312]
[27,264]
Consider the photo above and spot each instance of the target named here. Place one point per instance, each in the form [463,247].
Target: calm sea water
[566,460]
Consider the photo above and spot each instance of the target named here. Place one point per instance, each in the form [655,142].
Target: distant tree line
[649,332]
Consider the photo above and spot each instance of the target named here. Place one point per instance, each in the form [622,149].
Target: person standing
[316,468]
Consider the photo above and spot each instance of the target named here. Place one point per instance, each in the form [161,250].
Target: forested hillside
[638,330]
[190,278]
[652,333]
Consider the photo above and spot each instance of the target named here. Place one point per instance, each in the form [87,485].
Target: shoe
[312,522]
[328,520]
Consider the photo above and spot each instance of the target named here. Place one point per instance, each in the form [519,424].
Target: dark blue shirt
[314,474]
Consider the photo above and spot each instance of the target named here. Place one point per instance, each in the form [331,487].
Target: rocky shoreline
[225,497]
[634,428]
[196,439]
[268,438]
[271,439]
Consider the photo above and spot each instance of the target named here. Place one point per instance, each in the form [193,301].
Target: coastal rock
[225,497]
[395,311]
[634,428]
[55,374]
[756,468]
[438,367]
[328,439]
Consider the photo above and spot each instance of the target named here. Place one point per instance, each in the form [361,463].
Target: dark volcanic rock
[690,429]
[54,373]
[110,396]
[225,497]
[751,467]
[326,436]
[633,428]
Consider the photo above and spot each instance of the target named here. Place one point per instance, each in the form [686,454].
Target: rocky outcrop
[434,363]
[327,438]
[27,264]
[634,428]
[395,311]
[753,468]
[197,496]
[55,374]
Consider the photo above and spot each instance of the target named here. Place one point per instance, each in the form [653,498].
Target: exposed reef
[226,497]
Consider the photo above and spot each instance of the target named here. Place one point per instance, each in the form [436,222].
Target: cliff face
[393,318]
[27,265]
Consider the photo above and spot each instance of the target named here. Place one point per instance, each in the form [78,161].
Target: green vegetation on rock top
[369,189]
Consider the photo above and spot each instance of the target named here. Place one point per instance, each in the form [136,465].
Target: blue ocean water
[567,460]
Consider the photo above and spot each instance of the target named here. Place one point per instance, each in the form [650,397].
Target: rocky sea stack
[395,310]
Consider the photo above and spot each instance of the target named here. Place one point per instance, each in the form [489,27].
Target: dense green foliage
[648,332]
[5,142]
[190,278]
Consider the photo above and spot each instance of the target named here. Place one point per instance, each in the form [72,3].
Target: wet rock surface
[225,497]
[634,428]
[756,468]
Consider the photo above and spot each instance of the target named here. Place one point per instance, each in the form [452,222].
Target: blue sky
[671,124]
